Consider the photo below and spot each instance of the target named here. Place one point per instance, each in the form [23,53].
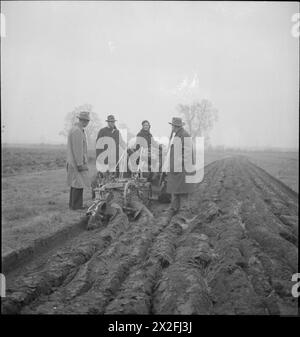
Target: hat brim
[177,125]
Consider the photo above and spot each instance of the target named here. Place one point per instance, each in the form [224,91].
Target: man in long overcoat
[111,131]
[77,159]
[176,177]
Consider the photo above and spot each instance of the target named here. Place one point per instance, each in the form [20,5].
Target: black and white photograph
[150,160]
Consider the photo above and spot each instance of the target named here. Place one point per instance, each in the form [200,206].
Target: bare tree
[199,117]
[92,128]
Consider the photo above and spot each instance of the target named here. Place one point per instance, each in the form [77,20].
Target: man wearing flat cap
[110,131]
[77,169]
[176,177]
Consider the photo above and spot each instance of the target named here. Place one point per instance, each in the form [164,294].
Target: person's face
[146,126]
[175,128]
[111,124]
[84,122]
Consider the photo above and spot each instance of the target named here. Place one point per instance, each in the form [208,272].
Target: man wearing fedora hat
[110,131]
[176,181]
[77,169]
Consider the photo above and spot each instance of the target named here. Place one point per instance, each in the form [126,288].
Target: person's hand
[130,151]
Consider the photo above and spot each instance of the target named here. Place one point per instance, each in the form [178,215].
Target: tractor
[132,192]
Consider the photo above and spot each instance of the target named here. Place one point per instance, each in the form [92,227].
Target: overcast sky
[138,60]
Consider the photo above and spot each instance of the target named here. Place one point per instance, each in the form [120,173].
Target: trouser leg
[76,198]
[150,173]
[150,176]
[117,173]
[175,202]
[185,202]
[70,198]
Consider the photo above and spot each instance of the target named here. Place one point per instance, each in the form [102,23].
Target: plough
[130,195]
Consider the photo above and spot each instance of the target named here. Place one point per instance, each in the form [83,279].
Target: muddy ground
[235,253]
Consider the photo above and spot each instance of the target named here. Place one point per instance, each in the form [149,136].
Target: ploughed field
[235,253]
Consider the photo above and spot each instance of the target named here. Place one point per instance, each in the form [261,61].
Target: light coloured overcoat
[77,155]
[176,181]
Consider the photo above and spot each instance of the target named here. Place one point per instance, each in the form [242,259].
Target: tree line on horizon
[199,118]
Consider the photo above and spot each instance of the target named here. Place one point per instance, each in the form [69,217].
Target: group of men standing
[77,159]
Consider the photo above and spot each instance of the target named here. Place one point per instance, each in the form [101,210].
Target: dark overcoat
[147,136]
[176,181]
[114,133]
[150,142]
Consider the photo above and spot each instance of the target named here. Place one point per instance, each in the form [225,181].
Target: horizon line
[250,147]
